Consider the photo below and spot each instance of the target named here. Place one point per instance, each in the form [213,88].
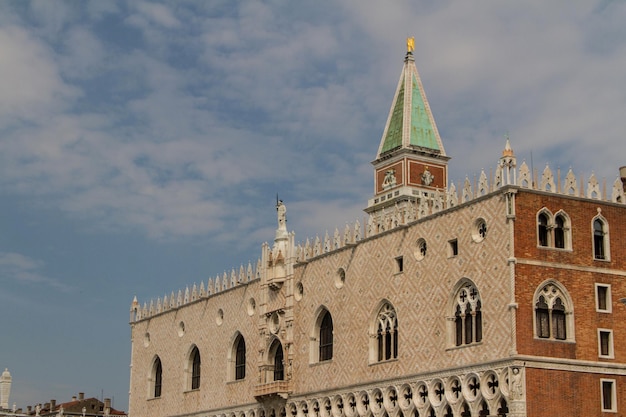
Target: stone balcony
[278,388]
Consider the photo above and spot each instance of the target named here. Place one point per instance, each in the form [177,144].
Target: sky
[142,144]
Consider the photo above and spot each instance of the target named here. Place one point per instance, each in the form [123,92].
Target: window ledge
[191,390]
[464,346]
[549,339]
[383,362]
[555,249]
[318,363]
[235,381]
[602,260]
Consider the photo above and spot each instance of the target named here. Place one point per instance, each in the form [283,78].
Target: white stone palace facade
[499,297]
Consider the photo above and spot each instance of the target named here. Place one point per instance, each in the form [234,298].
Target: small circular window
[299,291]
[251,306]
[181,329]
[219,319]
[420,249]
[479,232]
[340,278]
[146,339]
[274,323]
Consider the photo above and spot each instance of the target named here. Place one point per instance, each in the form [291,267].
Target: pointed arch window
[558,319]
[543,317]
[559,232]
[600,239]
[326,337]
[386,333]
[542,229]
[553,313]
[553,231]
[279,369]
[240,358]
[321,337]
[195,368]
[156,378]
[468,322]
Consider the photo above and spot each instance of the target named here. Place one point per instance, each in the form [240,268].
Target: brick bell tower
[411,163]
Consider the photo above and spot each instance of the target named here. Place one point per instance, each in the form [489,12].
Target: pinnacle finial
[410,44]
[508,151]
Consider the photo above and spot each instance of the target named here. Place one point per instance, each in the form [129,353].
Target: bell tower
[411,163]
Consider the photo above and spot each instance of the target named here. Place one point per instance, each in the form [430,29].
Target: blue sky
[142,144]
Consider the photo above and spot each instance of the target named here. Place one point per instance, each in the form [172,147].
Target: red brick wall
[581,212]
[578,283]
[572,394]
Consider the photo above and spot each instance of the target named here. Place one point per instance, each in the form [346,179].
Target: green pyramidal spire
[410,124]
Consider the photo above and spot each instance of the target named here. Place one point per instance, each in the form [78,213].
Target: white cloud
[159,14]
[199,119]
[85,55]
[17,267]
[52,17]
[30,86]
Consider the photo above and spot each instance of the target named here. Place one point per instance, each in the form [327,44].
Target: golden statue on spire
[410,44]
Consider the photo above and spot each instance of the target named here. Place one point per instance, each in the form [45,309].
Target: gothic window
[543,318]
[553,313]
[156,378]
[559,232]
[240,358]
[600,239]
[558,319]
[386,331]
[467,315]
[321,337]
[276,352]
[553,231]
[326,337]
[542,229]
[195,368]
